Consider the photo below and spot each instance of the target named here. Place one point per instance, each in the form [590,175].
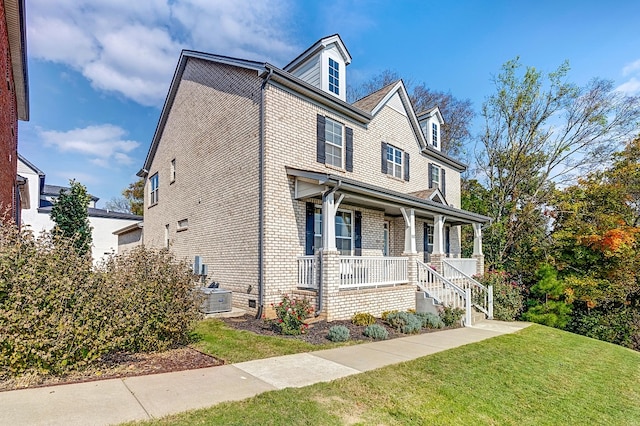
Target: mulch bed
[119,365]
[127,365]
[317,332]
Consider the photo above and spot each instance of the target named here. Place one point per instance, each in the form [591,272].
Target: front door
[427,241]
[385,248]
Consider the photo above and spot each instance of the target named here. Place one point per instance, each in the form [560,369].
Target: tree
[69,212]
[118,204]
[596,244]
[457,113]
[134,194]
[539,130]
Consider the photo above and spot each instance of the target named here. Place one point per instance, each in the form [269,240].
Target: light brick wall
[212,133]
[374,301]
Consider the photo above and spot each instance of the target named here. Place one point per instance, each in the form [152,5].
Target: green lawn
[538,376]
[232,346]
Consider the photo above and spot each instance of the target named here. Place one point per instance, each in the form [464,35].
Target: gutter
[261,199]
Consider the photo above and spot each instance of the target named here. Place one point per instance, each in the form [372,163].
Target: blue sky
[99,70]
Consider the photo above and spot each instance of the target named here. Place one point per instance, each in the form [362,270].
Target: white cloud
[631,68]
[630,87]
[103,144]
[131,47]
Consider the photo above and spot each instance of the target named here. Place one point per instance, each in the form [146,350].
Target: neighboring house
[36,213]
[14,105]
[282,187]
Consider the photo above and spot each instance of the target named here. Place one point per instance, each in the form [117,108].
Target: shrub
[291,314]
[363,318]
[57,313]
[404,322]
[451,316]
[338,333]
[385,314]
[430,320]
[376,332]
[508,298]
[156,294]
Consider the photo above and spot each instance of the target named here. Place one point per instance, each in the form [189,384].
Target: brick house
[14,105]
[282,187]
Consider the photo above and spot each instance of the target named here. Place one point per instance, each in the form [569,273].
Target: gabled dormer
[323,65]
[431,125]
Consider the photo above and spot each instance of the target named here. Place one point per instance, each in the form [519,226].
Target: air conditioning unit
[216,300]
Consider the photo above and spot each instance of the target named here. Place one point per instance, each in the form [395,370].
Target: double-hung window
[394,161]
[334,77]
[434,134]
[435,176]
[153,189]
[333,143]
[344,231]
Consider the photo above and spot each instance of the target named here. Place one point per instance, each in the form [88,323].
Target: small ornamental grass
[430,320]
[338,333]
[363,318]
[376,332]
[291,314]
[404,322]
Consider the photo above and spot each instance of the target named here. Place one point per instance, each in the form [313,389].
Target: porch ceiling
[311,184]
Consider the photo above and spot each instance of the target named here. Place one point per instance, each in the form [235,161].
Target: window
[394,161]
[333,142]
[153,190]
[183,225]
[435,176]
[427,241]
[434,134]
[334,76]
[173,170]
[344,230]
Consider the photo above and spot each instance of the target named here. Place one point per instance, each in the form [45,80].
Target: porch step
[477,316]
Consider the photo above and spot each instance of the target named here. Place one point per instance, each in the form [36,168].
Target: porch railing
[481,296]
[467,266]
[307,272]
[444,291]
[363,271]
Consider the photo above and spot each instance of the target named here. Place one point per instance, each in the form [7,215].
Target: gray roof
[55,190]
[92,212]
[369,102]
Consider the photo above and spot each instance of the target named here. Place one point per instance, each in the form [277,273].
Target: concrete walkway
[138,398]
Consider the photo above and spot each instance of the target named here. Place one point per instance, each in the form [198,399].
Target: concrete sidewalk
[138,398]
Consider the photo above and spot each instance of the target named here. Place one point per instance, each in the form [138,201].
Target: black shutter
[443,184]
[406,166]
[430,171]
[309,229]
[320,139]
[425,241]
[357,240]
[349,149]
[384,158]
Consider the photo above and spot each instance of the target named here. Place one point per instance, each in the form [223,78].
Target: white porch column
[438,234]
[409,230]
[477,239]
[329,209]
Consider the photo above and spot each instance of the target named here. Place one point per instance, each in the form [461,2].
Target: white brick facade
[212,131]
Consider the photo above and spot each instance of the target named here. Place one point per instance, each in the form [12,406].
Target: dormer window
[334,77]
[434,134]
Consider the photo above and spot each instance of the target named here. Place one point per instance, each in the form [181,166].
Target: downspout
[324,194]
[261,199]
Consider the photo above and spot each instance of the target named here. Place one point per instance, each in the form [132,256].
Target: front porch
[361,251]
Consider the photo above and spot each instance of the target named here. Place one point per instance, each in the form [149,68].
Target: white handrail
[440,288]
[307,272]
[481,296]
[372,271]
